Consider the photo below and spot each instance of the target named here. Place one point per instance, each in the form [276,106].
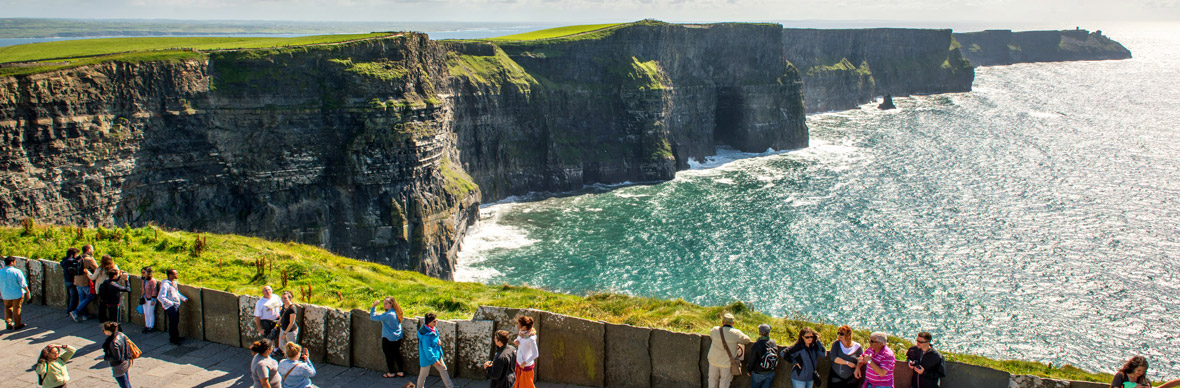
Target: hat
[727,319]
[764,329]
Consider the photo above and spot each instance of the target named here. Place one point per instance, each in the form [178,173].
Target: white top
[169,295]
[849,350]
[526,352]
[268,309]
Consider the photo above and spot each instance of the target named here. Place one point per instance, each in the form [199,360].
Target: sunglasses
[923,342]
[809,337]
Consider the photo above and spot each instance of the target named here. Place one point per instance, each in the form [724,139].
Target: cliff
[1004,47]
[382,149]
[845,68]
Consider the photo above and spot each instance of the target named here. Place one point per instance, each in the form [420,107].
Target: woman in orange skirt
[526,353]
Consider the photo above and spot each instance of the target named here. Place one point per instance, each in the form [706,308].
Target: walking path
[192,364]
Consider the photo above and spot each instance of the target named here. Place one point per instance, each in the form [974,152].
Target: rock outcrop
[1004,47]
[845,68]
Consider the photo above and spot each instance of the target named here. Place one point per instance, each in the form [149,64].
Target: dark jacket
[757,350]
[843,373]
[806,357]
[109,291]
[932,362]
[67,269]
[114,349]
[501,373]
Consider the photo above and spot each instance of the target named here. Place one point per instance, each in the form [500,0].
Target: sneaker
[74,316]
[85,317]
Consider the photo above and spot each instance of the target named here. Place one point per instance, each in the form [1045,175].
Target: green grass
[229,263]
[163,55]
[555,32]
[37,52]
[491,70]
[383,70]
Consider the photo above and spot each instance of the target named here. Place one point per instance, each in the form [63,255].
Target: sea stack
[887,103]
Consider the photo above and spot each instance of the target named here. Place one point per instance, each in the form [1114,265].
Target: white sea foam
[487,236]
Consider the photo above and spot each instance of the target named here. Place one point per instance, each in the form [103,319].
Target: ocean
[1036,217]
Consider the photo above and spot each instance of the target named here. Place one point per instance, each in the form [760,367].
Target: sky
[919,12]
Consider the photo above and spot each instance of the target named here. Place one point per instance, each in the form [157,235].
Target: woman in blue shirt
[296,370]
[391,334]
[430,352]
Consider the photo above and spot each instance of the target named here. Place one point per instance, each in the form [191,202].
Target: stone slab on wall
[505,318]
[127,307]
[474,346]
[221,317]
[311,331]
[366,344]
[338,337]
[627,356]
[1087,384]
[902,373]
[53,284]
[247,332]
[35,275]
[675,359]
[572,350]
[1026,381]
[192,325]
[136,285]
[410,345]
[971,376]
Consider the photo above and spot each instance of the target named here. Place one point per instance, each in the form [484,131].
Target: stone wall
[574,351]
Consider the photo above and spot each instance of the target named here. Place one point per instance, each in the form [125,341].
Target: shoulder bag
[735,366]
[133,351]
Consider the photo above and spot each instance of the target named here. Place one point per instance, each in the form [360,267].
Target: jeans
[393,355]
[761,380]
[802,384]
[85,297]
[173,314]
[124,380]
[71,296]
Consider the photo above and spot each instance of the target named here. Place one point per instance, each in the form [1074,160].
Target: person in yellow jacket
[51,366]
[719,359]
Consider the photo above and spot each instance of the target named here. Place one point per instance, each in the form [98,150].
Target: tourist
[805,353]
[170,299]
[391,334]
[926,363]
[266,314]
[151,289]
[526,353]
[763,359]
[264,371]
[67,271]
[288,328]
[878,361]
[86,293]
[14,289]
[104,268]
[51,366]
[500,368]
[724,351]
[844,355]
[117,353]
[109,298]
[296,370]
[430,353]
[1133,374]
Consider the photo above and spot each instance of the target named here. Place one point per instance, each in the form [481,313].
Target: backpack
[69,266]
[769,359]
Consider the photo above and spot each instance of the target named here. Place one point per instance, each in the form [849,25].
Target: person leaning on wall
[728,343]
[927,364]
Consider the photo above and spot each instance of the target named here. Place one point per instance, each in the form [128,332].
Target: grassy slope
[228,262]
[554,32]
[94,47]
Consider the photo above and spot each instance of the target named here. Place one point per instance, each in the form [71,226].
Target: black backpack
[70,266]
[769,358]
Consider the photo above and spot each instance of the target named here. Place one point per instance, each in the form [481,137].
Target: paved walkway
[193,364]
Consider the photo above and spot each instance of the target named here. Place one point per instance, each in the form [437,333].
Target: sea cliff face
[1004,47]
[845,68]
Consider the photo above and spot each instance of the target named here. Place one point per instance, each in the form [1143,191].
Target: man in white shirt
[170,299]
[266,312]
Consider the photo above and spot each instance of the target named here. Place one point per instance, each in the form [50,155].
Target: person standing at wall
[170,299]
[391,334]
[724,351]
[926,363]
[51,366]
[288,328]
[878,361]
[105,266]
[763,359]
[266,313]
[108,296]
[68,264]
[1133,374]
[296,371]
[14,289]
[805,355]
[151,290]
[82,271]
[430,353]
[526,353]
[117,353]
[264,371]
[500,368]
[844,355]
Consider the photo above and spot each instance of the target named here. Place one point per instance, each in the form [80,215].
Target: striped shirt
[886,361]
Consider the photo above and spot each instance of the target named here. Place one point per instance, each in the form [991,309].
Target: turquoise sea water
[1036,217]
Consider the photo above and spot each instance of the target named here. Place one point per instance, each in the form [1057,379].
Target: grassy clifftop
[244,264]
